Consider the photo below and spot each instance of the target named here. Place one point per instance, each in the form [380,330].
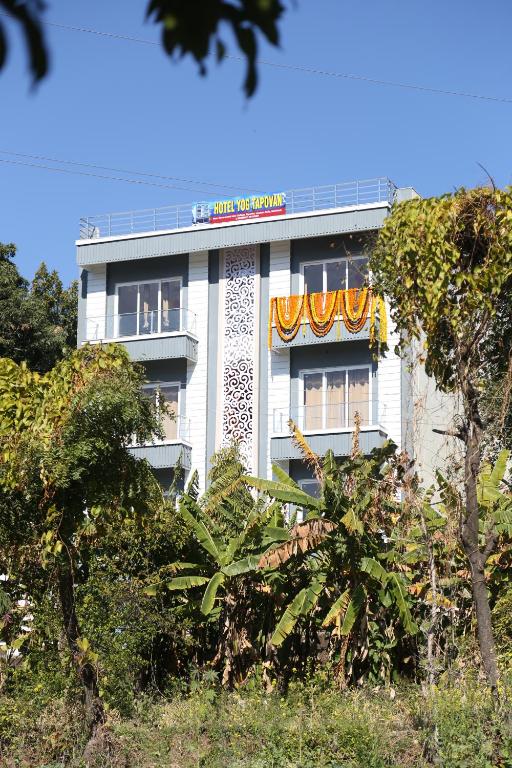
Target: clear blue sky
[125,105]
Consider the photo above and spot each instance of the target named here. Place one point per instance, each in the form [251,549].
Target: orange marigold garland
[354,307]
[287,312]
[321,310]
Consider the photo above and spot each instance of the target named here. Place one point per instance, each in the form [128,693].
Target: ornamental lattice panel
[239,349]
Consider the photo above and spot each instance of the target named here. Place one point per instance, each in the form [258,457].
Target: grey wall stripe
[149,245]
[82,304]
[263,360]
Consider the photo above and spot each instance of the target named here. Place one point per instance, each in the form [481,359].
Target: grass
[310,727]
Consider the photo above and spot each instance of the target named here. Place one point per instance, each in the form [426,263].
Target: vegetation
[256,625]
[187,28]
[38,320]
[446,266]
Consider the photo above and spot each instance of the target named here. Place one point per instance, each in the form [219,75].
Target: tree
[446,266]
[58,305]
[187,28]
[65,471]
[37,322]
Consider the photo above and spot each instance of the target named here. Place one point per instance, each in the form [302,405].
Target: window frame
[334,369]
[155,386]
[323,262]
[138,283]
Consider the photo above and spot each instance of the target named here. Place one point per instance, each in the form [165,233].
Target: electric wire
[100,176]
[294,67]
[124,170]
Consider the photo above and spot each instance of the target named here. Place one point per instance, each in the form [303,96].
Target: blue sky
[124,105]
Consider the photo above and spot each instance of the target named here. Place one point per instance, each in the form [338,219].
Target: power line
[375,81]
[98,175]
[296,67]
[133,173]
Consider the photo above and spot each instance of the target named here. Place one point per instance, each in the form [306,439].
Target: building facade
[246,321]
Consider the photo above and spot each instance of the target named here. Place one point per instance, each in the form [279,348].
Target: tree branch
[451,433]
[491,541]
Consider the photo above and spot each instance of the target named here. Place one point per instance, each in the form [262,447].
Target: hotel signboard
[239,208]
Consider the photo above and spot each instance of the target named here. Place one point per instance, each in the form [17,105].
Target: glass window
[332,398]
[314,489]
[358,393]
[152,307]
[335,399]
[148,308]
[357,272]
[127,310]
[171,305]
[314,278]
[335,275]
[168,403]
[313,401]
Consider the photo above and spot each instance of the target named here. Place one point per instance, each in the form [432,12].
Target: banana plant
[341,549]
[227,573]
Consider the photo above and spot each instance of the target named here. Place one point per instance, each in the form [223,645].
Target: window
[167,396]
[334,275]
[151,307]
[332,397]
[313,488]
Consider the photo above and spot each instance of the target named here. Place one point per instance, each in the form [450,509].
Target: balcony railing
[146,323]
[322,198]
[175,430]
[327,417]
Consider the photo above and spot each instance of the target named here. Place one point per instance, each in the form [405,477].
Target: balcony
[167,453]
[324,318]
[152,335]
[327,427]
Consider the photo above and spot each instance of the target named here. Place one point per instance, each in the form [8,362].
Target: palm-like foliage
[347,585]
[232,532]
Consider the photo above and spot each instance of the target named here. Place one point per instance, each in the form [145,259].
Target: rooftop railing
[322,198]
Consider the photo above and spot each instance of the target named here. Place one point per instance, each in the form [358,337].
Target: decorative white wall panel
[239,348]
[196,392]
[389,388]
[96,302]
[279,362]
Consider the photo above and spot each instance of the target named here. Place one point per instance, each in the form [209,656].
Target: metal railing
[175,428]
[350,193]
[134,324]
[326,417]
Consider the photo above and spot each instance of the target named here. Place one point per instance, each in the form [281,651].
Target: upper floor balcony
[315,318]
[328,425]
[148,334]
[174,448]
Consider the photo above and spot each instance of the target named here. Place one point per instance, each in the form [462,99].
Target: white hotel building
[191,298]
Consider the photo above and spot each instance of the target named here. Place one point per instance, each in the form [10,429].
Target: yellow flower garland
[354,306]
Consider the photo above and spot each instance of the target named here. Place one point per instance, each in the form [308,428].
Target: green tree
[58,305]
[66,471]
[37,322]
[187,28]
[446,266]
